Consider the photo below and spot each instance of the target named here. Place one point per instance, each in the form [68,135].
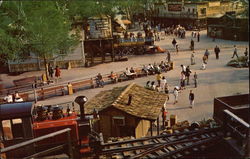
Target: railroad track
[176,145]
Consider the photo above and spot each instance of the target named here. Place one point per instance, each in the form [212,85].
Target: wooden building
[98,42]
[228,26]
[191,14]
[127,111]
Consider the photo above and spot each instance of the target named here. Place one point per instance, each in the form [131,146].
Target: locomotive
[20,122]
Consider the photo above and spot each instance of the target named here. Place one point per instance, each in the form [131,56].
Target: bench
[140,73]
[25,81]
[122,77]
[47,92]
[1,89]
[81,84]
[25,96]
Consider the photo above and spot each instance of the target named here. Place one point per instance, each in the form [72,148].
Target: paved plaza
[216,81]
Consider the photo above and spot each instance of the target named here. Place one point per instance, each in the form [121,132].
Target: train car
[20,122]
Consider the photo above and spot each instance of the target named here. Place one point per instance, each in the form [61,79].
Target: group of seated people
[131,73]
[154,69]
[13,98]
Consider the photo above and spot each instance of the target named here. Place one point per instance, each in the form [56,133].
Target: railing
[238,128]
[179,15]
[56,148]
[36,94]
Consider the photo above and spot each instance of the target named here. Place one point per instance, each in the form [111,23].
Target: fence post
[42,93]
[70,145]
[35,95]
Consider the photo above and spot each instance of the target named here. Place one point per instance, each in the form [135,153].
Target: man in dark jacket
[192,45]
[217,51]
[188,72]
[191,98]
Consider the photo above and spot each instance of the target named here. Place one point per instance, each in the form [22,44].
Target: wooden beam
[46,151]
[163,136]
[4,150]
[158,126]
[232,115]
[151,128]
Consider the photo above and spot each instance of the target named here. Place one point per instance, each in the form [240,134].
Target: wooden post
[158,126]
[70,145]
[247,148]
[151,128]
[113,51]
[42,93]
[35,95]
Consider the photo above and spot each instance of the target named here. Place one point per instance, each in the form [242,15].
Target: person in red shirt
[57,72]
[164,116]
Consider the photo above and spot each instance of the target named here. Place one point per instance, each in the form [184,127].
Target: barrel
[173,120]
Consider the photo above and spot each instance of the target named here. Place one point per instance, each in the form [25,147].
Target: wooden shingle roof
[145,103]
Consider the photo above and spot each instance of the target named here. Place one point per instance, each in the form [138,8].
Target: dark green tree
[40,27]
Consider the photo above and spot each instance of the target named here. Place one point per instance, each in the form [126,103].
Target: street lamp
[81,100]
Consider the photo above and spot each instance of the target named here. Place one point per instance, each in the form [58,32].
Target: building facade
[229,27]
[191,14]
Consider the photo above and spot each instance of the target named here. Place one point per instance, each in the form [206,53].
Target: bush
[242,61]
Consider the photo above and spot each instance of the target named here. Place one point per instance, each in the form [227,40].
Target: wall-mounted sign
[174,7]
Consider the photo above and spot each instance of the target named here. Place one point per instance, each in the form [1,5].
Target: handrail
[64,84]
[242,122]
[10,148]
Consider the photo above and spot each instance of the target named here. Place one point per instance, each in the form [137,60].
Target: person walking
[182,80]
[192,59]
[217,51]
[174,42]
[168,56]
[188,72]
[177,48]
[192,45]
[51,71]
[206,54]
[176,93]
[191,98]
[163,83]
[183,68]
[57,72]
[164,117]
[235,52]
[246,52]
[195,80]
[158,78]
[198,37]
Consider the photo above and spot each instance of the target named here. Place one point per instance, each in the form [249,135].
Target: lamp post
[81,100]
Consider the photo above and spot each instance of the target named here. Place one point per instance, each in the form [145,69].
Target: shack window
[17,128]
[7,131]
[203,11]
[12,129]
[119,120]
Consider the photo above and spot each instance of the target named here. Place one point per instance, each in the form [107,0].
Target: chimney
[81,100]
[129,99]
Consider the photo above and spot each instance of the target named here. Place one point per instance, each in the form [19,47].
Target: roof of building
[145,103]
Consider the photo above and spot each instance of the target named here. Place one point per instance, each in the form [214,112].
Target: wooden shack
[127,111]
[228,26]
[98,43]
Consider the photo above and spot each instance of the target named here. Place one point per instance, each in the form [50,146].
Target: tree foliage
[40,27]
[43,26]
